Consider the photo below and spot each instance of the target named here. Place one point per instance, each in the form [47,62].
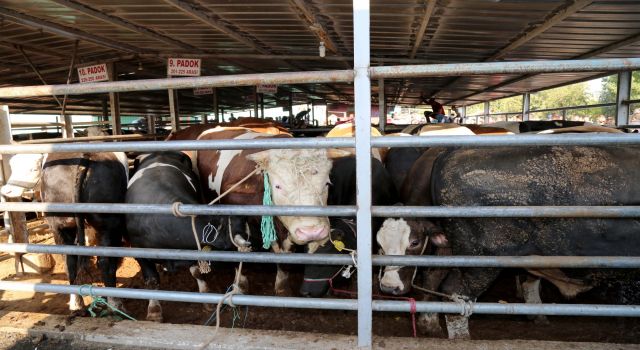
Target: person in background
[437,108]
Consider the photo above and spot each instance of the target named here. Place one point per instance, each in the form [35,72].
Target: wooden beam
[423,27]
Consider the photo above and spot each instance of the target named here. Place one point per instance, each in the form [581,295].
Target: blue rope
[97,302]
[266,226]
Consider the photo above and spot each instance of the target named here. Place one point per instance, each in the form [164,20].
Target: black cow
[86,178]
[165,178]
[507,176]
[399,161]
[342,191]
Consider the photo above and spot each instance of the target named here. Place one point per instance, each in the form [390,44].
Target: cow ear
[261,158]
[333,153]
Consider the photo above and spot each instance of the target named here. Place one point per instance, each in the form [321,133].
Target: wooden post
[114,102]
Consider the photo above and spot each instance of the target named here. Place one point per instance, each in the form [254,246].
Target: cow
[507,176]
[349,130]
[259,125]
[534,126]
[77,178]
[296,178]
[342,191]
[166,178]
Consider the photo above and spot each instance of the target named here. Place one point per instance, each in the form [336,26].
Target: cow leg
[282,276]
[66,236]
[203,287]
[109,265]
[429,322]
[151,281]
[531,294]
[469,283]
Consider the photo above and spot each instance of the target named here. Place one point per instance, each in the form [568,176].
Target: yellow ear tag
[206,248]
[339,245]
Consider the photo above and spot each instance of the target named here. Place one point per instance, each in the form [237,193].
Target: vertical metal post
[14,222]
[67,132]
[326,113]
[290,105]
[255,101]
[222,115]
[382,107]
[105,110]
[114,102]
[215,105]
[624,94]
[262,105]
[362,101]
[174,111]
[487,111]
[151,124]
[564,114]
[526,106]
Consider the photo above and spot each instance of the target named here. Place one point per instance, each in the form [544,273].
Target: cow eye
[414,243]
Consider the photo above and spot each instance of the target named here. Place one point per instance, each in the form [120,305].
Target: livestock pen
[361,75]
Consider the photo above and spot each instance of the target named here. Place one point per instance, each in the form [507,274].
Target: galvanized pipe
[524,67]
[330,304]
[152,146]
[509,212]
[333,259]
[330,76]
[507,140]
[186,209]
[293,143]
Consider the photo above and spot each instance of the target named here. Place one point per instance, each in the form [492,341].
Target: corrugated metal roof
[225,32]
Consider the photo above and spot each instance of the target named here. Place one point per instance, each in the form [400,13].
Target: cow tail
[81,176]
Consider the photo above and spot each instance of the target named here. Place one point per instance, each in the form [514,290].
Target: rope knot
[466,305]
[175,210]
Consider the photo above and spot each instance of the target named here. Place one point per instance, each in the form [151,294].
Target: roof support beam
[82,8]
[605,49]
[431,5]
[307,14]
[533,31]
[556,16]
[199,12]
[72,33]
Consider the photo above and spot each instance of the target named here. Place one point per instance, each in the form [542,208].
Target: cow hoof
[283,292]
[78,313]
[117,304]
[429,325]
[541,320]
[458,327]
[154,317]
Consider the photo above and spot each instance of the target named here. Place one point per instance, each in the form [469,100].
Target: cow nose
[393,290]
[311,233]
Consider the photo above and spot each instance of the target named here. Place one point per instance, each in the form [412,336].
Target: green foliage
[565,96]
[475,109]
[506,105]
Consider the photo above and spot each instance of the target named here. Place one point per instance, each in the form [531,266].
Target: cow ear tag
[339,245]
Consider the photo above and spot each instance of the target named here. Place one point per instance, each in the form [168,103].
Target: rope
[266,225]
[97,302]
[231,291]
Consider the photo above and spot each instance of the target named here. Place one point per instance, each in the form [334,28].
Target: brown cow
[297,178]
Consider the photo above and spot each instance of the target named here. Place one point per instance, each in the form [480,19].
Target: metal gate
[361,75]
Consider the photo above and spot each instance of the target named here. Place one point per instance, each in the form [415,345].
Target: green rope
[97,302]
[266,226]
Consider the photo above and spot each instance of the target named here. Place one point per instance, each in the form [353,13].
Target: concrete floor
[20,330]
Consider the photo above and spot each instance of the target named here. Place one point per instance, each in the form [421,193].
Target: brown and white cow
[297,178]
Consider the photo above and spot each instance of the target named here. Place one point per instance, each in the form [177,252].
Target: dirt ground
[488,327]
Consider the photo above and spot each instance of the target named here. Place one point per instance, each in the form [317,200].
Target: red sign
[267,89]
[185,67]
[92,74]
[203,91]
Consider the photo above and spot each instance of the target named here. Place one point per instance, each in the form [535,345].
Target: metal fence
[361,75]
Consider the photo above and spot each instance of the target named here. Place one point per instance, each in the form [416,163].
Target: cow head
[405,237]
[299,177]
[26,171]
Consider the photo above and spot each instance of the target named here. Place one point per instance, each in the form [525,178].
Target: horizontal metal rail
[330,76]
[331,304]
[186,209]
[506,140]
[599,105]
[319,142]
[92,138]
[334,210]
[152,146]
[524,67]
[332,259]
[327,76]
